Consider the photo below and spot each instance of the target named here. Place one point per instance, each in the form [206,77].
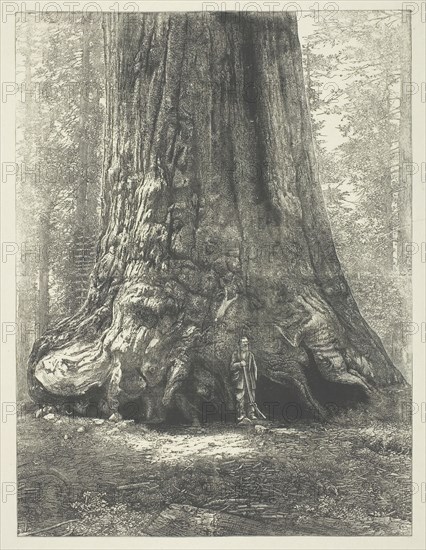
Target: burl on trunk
[214,225]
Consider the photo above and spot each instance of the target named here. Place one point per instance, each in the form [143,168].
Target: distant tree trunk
[405,197]
[26,272]
[79,248]
[388,184]
[405,148]
[44,268]
[214,225]
[308,76]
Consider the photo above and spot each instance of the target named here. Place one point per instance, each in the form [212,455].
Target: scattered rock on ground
[81,429]
[260,429]
[49,416]
[99,421]
[283,431]
[124,423]
[114,430]
[245,422]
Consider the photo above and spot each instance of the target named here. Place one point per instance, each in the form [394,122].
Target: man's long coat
[237,373]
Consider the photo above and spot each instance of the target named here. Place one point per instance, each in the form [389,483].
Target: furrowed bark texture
[214,225]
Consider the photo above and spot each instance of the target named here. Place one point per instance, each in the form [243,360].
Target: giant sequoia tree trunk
[213,225]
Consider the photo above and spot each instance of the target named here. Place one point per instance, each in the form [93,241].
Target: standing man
[244,377]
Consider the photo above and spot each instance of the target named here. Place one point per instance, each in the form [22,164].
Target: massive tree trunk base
[195,253]
[156,357]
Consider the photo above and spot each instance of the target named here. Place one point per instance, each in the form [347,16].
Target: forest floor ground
[350,476]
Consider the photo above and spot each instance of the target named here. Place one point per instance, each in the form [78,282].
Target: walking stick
[251,396]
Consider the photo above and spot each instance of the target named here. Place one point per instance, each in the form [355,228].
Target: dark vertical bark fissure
[256,113]
[160,100]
